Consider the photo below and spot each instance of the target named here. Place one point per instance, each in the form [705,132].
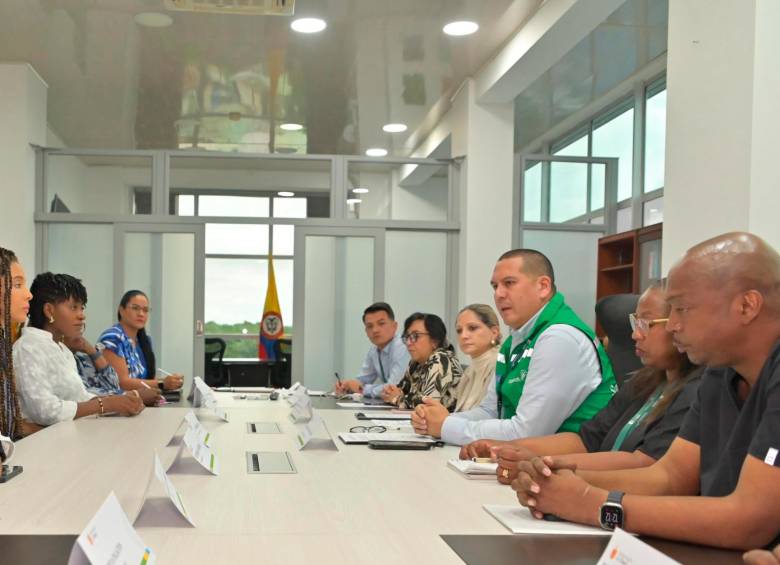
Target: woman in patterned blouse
[434,370]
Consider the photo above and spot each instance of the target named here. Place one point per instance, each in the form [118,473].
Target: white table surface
[354,505]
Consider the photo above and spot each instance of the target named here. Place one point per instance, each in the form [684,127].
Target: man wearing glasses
[552,373]
[387,358]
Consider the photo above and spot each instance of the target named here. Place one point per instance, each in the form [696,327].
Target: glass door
[166,262]
[337,273]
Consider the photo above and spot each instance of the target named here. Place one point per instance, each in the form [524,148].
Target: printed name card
[314,434]
[170,489]
[301,411]
[109,538]
[194,441]
[208,399]
[625,549]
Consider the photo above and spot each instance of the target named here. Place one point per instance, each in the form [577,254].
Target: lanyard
[637,419]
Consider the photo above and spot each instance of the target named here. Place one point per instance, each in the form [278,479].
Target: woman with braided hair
[14,305]
[50,387]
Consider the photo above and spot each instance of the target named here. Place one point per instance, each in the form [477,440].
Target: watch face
[611,516]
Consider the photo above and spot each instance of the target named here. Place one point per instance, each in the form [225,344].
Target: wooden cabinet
[628,260]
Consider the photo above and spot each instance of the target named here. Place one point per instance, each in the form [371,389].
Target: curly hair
[10,412]
[48,288]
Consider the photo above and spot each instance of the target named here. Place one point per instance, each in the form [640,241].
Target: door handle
[199,330]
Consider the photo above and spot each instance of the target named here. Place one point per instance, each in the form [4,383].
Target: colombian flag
[271,327]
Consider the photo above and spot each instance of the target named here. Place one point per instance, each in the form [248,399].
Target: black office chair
[612,313]
[214,368]
[281,371]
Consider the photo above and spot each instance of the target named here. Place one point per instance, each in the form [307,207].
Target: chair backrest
[612,313]
[214,348]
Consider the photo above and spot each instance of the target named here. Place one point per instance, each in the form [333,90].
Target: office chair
[214,368]
[612,313]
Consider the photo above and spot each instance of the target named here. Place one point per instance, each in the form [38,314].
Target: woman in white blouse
[48,381]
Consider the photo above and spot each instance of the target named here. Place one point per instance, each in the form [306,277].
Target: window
[235,287]
[614,138]
[655,137]
[560,192]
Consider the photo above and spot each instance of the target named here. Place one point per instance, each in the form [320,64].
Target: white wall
[723,83]
[175,351]
[22,122]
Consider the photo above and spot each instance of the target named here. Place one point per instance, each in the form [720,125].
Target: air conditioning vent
[243,7]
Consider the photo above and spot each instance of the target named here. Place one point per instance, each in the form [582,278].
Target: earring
[493,342]
[51,319]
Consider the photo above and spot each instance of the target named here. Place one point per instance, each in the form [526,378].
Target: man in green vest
[552,373]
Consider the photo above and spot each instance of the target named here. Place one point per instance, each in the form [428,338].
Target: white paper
[317,392]
[220,413]
[301,411]
[361,405]
[403,425]
[350,438]
[518,520]
[110,538]
[297,396]
[170,489]
[625,549]
[201,451]
[388,415]
[474,470]
[194,424]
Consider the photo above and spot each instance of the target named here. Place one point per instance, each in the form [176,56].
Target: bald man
[725,299]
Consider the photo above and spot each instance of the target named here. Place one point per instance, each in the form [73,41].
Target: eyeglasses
[413,337]
[367,429]
[643,326]
[136,308]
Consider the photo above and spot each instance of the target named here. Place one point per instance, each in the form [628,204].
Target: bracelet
[100,401]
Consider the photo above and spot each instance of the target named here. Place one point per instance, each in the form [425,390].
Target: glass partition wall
[210,224]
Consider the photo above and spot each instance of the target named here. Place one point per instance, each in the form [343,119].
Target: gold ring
[505,473]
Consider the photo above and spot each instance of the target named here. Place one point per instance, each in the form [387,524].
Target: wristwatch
[611,515]
[99,347]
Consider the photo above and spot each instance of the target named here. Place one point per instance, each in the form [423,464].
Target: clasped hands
[544,485]
[428,417]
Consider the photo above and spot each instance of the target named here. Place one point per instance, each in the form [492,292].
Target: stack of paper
[519,521]
[362,438]
[473,470]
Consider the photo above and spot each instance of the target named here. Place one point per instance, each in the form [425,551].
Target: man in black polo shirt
[725,299]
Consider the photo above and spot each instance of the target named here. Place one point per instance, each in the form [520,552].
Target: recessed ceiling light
[285,193]
[461,28]
[354,201]
[308,25]
[376,152]
[153,19]
[291,127]
[394,128]
[360,190]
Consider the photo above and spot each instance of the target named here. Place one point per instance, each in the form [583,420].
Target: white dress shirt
[47,380]
[564,370]
[381,367]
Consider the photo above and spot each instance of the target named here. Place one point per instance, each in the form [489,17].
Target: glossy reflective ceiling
[227,82]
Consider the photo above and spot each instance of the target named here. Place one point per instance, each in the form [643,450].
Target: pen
[164,372]
[338,378]
[146,385]
[482,460]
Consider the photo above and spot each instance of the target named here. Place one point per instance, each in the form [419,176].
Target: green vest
[512,366]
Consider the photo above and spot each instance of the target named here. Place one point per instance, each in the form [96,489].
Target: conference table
[351,504]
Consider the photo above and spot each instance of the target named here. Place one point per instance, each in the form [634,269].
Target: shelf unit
[626,261]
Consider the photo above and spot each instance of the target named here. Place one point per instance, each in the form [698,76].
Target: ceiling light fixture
[360,190]
[354,201]
[285,193]
[376,152]
[394,128]
[153,19]
[460,28]
[308,25]
[291,127]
